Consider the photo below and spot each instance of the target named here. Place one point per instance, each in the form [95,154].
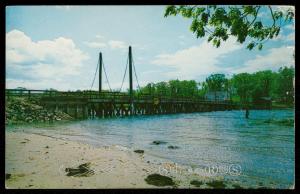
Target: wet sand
[35,161]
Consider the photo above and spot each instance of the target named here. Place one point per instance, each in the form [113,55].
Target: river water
[259,153]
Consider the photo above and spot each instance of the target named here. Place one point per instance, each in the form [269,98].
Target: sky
[58,47]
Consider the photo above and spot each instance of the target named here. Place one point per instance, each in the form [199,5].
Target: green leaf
[250,46]
[200,31]
[277,31]
[218,43]
[258,25]
[194,25]
[187,12]
[198,11]
[204,18]
[170,10]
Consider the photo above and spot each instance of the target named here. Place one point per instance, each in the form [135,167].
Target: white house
[217,96]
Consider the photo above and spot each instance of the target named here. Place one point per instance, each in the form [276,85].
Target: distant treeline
[242,87]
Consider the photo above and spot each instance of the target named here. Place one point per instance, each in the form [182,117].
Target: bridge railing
[104,95]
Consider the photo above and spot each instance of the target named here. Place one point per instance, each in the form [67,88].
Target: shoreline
[34,161]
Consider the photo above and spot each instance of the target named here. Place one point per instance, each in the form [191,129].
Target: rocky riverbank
[20,110]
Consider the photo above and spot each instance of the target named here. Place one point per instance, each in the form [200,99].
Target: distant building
[217,96]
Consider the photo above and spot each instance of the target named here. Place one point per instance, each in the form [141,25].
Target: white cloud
[95,44]
[276,58]
[115,44]
[41,60]
[41,84]
[197,60]
[112,44]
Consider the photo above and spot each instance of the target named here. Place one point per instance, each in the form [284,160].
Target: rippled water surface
[264,151]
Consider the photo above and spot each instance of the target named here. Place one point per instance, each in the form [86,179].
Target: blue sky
[58,46]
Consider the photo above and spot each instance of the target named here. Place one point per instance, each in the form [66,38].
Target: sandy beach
[35,161]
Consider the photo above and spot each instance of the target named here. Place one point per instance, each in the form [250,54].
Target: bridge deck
[108,104]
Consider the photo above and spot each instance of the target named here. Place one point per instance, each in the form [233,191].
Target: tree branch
[272,16]
[255,16]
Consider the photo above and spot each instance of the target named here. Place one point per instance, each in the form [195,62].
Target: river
[263,153]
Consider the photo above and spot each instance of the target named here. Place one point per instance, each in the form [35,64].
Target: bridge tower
[130,72]
[100,72]
[130,80]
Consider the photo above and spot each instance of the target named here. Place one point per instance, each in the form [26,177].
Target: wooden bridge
[100,103]
[113,104]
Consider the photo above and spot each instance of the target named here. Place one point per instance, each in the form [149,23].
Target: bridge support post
[100,72]
[131,106]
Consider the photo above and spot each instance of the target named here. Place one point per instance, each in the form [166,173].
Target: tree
[263,81]
[242,22]
[174,87]
[216,82]
[244,85]
[161,88]
[285,87]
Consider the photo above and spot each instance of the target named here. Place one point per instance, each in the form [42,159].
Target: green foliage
[263,83]
[242,22]
[216,82]
[242,87]
[277,85]
[244,84]
[172,88]
[284,87]
[196,183]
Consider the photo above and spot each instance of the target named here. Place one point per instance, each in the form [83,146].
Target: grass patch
[216,184]
[196,183]
[285,122]
[237,186]
[159,180]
